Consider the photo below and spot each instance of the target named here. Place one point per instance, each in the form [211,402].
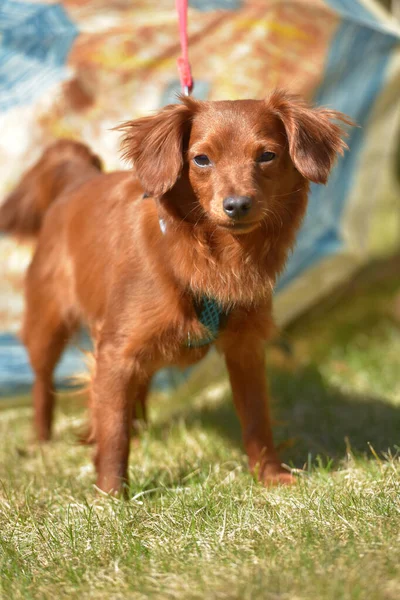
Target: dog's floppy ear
[155,145]
[314,139]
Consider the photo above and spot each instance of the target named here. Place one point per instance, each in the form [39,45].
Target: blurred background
[77,68]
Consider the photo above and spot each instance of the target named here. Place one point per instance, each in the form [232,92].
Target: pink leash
[183,61]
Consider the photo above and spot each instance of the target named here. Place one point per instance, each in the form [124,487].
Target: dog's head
[233,162]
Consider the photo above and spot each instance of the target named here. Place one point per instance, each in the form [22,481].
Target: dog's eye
[202,160]
[266,157]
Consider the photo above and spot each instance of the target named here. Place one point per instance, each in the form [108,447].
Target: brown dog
[228,184]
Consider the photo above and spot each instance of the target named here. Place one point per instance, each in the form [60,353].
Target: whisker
[287,194]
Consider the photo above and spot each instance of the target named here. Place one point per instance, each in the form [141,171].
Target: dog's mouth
[239,227]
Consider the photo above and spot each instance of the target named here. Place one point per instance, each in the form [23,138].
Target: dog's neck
[232,269]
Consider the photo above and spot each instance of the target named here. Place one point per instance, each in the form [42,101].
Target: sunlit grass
[197,524]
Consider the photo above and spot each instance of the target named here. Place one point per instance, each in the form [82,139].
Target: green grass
[197,524]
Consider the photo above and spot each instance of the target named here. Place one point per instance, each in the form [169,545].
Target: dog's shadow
[311,419]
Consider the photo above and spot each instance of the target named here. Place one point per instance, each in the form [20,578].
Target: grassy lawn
[197,524]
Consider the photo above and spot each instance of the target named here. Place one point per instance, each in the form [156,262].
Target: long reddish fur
[102,259]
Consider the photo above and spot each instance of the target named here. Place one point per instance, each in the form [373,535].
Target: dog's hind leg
[45,334]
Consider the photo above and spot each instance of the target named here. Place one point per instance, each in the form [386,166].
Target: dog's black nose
[237,207]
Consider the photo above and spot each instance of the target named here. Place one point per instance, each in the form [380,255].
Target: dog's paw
[274,474]
[283,478]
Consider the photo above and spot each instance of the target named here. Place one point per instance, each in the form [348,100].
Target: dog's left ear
[314,139]
[155,145]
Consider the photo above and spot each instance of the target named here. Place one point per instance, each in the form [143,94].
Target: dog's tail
[21,213]
[61,164]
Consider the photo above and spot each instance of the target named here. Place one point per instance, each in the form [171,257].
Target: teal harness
[212,316]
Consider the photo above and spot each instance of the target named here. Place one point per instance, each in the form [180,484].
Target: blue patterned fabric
[354,76]
[35,40]
[210,5]
[348,221]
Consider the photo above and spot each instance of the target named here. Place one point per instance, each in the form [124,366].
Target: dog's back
[75,212]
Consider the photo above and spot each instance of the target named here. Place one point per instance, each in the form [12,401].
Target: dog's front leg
[112,414]
[246,367]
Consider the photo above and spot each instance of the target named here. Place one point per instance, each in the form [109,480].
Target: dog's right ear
[155,145]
